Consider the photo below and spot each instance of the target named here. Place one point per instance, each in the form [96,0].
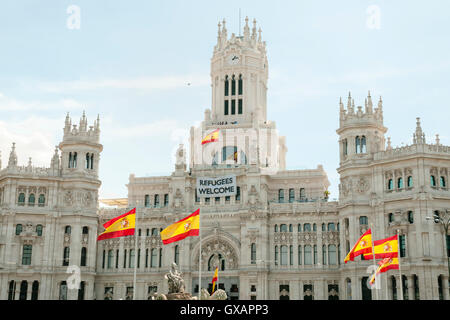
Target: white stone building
[278,238]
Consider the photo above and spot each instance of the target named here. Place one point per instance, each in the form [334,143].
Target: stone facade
[278,238]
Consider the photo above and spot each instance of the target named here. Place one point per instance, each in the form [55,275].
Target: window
[323,227]
[240,106]
[233,85]
[299,228]
[324,254]
[26,254]
[166,200]
[363,220]
[281,196]
[41,200]
[409,182]
[88,159]
[227,84]
[117,259]
[110,259]
[363,144]
[308,255]
[66,255]
[291,255]
[226,107]
[39,230]
[67,230]
[31,199]
[433,181]
[358,144]
[12,290]
[302,195]
[85,230]
[314,227]
[299,255]
[240,85]
[332,255]
[70,160]
[290,228]
[154,231]
[275,228]
[410,217]
[131,259]
[394,288]
[84,256]
[331,227]
[35,290]
[177,255]
[21,199]
[416,287]
[253,253]
[276,255]
[283,228]
[391,217]
[390,184]
[156,200]
[147,200]
[18,229]
[124,258]
[139,258]
[440,288]
[153,258]
[92,161]
[291,195]
[315,254]
[81,290]
[307,227]
[284,257]
[400,183]
[233,106]
[238,194]
[345,146]
[442,182]
[23,290]
[74,160]
[402,245]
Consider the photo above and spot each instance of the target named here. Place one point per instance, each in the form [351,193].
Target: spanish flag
[186,227]
[211,137]
[214,280]
[363,245]
[123,225]
[384,248]
[385,265]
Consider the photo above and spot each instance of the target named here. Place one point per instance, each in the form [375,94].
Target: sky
[130,62]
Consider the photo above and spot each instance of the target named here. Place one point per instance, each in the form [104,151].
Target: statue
[176,282]
[219,294]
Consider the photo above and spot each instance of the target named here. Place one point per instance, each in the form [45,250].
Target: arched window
[276,255]
[85,230]
[363,144]
[238,193]
[283,228]
[275,228]
[394,288]
[291,255]
[433,181]
[177,254]
[284,255]
[12,290]
[410,217]
[63,290]
[290,228]
[391,217]
[280,195]
[26,254]
[147,201]
[363,220]
[400,183]
[23,290]
[390,184]
[66,255]
[409,182]
[308,255]
[74,160]
[440,287]
[41,200]
[154,231]
[153,258]
[67,230]
[92,161]
[345,147]
[84,257]
[240,85]
[314,227]
[70,160]
[239,106]
[225,107]
[81,290]
[302,195]
[299,255]
[402,245]
[253,253]
[110,260]
[35,290]
[442,182]
[332,255]
[131,259]
[299,228]
[227,84]
[233,85]
[156,202]
[307,227]
[324,254]
[39,230]
[323,227]
[291,195]
[358,144]
[88,160]
[315,254]
[31,199]
[18,229]
[331,227]
[21,200]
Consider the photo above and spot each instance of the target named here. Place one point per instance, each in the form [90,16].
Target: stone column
[410,281]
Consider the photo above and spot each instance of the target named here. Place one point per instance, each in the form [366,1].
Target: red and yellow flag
[214,279]
[384,248]
[123,225]
[363,245]
[186,227]
[385,265]
[211,137]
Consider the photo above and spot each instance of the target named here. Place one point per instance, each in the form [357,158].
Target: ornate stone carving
[69,198]
[362,185]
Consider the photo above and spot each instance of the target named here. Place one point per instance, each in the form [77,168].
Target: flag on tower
[384,248]
[123,225]
[385,265]
[214,280]
[179,230]
[363,245]
[211,137]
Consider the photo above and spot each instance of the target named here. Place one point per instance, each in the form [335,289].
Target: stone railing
[408,150]
[29,171]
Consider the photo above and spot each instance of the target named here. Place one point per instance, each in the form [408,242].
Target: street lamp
[444,220]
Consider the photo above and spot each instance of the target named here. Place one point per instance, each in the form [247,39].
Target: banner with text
[216,187]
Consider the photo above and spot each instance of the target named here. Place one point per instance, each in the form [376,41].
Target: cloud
[12,104]
[141,83]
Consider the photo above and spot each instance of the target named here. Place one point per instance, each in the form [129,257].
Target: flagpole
[200,256]
[374,262]
[399,265]
[135,254]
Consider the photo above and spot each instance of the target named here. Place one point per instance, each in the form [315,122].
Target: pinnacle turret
[12,162]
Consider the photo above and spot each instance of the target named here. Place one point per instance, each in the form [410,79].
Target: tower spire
[246,30]
[13,156]
[419,135]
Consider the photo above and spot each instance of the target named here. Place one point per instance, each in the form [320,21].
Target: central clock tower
[239,72]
